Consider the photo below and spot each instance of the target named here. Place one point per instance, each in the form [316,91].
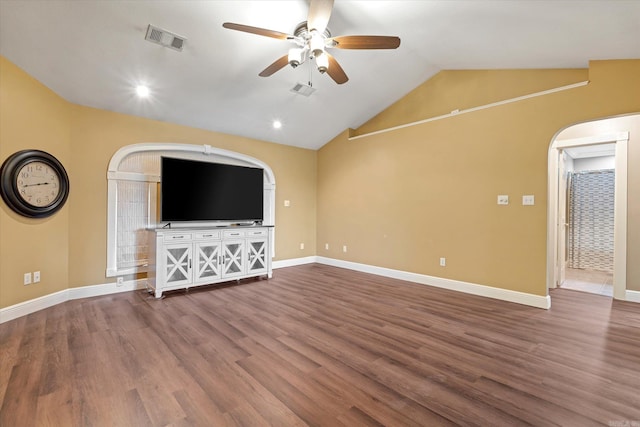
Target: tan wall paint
[463,89]
[404,199]
[632,125]
[98,134]
[70,247]
[32,116]
[398,200]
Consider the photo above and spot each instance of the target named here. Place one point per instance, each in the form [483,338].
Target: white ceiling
[588,151]
[93,53]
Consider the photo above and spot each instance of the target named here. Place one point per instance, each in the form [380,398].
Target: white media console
[185,257]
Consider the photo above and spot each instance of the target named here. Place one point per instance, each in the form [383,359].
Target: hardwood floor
[322,346]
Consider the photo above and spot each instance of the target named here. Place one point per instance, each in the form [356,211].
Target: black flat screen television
[200,191]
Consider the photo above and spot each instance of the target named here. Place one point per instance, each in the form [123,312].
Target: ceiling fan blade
[276,66]
[319,14]
[366,42]
[256,30]
[335,71]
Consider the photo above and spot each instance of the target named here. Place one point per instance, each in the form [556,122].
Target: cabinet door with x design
[257,255]
[207,262]
[177,261]
[233,258]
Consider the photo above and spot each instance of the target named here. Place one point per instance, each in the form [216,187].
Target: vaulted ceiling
[94,52]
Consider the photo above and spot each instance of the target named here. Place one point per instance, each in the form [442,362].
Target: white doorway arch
[555,221]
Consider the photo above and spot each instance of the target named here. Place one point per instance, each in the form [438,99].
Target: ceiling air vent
[302,89]
[165,38]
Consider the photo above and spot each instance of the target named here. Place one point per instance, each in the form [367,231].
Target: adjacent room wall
[594,163]
[406,198]
[70,247]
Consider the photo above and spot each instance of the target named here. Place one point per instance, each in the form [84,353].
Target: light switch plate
[528,200]
[503,199]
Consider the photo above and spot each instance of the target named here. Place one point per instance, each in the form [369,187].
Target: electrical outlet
[344,248]
[503,199]
[301,245]
[287,203]
[443,262]
[120,281]
[528,200]
[326,246]
[27,278]
[36,276]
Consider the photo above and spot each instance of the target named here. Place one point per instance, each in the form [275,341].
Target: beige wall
[32,117]
[98,134]
[405,198]
[70,247]
[464,89]
[401,199]
[632,125]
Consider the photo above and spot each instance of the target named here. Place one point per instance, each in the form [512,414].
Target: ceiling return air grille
[165,38]
[302,89]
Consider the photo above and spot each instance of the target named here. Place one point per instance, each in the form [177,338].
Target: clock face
[33,183]
[38,184]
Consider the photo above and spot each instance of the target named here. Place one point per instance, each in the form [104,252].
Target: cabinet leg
[158,294]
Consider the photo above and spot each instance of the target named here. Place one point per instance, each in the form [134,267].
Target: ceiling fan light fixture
[295,57]
[316,43]
[322,62]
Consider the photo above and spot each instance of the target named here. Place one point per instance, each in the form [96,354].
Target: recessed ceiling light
[277,124]
[142,91]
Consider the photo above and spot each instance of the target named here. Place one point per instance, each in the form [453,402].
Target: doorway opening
[586,182]
[563,243]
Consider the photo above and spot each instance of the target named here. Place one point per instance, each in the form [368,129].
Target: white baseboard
[454,285]
[294,261]
[633,296]
[31,306]
[37,304]
[46,301]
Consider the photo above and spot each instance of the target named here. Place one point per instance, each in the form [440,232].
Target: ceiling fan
[312,38]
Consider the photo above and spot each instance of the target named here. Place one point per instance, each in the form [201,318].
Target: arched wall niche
[133,177]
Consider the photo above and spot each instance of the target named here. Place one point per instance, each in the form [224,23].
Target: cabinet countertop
[211,227]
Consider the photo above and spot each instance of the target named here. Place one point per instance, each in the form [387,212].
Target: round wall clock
[33,183]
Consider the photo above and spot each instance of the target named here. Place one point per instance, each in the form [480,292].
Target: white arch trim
[208,153]
[208,150]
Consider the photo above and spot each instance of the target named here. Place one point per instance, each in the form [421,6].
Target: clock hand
[40,183]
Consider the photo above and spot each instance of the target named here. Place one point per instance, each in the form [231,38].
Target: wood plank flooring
[322,346]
